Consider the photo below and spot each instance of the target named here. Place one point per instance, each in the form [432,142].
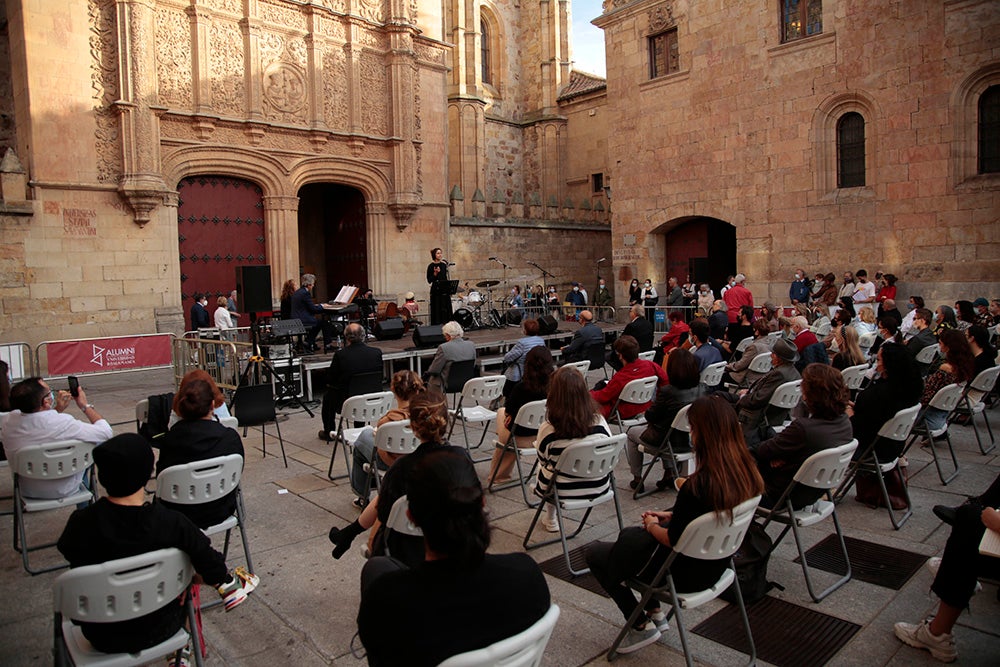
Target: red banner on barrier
[108,354]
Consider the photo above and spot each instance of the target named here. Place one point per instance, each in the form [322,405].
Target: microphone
[602,259]
[451,263]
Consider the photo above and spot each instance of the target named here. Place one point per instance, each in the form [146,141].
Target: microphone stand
[506,289]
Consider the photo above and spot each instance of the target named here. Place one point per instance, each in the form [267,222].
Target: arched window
[851,150]
[989,131]
[486,64]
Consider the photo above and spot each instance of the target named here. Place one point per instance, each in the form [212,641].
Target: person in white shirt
[38,417]
[223,318]
[906,328]
[864,290]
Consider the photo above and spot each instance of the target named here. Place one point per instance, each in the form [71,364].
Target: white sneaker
[636,639]
[659,619]
[551,525]
[235,592]
[934,564]
[942,647]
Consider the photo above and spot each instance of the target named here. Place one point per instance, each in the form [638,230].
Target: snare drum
[474,298]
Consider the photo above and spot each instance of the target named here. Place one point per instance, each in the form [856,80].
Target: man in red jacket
[633,368]
[736,296]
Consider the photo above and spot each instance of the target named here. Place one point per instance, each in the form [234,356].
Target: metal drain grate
[785,634]
[556,566]
[870,562]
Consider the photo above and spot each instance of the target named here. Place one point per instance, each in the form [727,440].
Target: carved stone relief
[661,18]
[372,10]
[284,92]
[173,58]
[374,94]
[334,94]
[373,39]
[104,81]
[331,27]
[230,6]
[280,14]
[228,94]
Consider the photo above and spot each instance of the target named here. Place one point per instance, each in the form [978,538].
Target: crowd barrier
[224,360]
[102,356]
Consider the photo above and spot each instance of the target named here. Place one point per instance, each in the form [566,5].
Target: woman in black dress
[437,278]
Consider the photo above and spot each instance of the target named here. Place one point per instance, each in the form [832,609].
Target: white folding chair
[784,398]
[200,482]
[926,357]
[898,429]
[582,366]
[480,392]
[666,452]
[141,413]
[636,392]
[118,591]
[973,402]
[399,522]
[648,356]
[364,408]
[854,377]
[230,422]
[51,461]
[946,398]
[395,438]
[524,649]
[823,470]
[591,458]
[709,537]
[530,416]
[744,344]
[711,375]
[866,341]
[760,365]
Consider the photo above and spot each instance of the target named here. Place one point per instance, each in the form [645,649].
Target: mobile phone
[74,386]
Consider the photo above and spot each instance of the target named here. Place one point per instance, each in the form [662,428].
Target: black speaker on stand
[253,289]
[391,328]
[428,335]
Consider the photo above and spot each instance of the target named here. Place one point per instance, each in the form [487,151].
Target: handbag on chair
[868,492]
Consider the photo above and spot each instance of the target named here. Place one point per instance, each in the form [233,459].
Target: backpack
[751,566]
[158,418]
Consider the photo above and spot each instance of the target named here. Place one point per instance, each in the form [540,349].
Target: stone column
[169,318]
[281,220]
[376,227]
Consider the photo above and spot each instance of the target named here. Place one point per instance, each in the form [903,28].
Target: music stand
[257,361]
[451,287]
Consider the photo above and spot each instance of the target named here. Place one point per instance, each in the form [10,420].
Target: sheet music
[990,545]
[346,294]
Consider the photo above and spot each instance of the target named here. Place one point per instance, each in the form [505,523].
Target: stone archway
[702,247]
[333,239]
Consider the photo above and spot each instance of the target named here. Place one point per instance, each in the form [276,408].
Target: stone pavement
[304,611]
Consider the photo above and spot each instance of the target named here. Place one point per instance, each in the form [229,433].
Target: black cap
[124,464]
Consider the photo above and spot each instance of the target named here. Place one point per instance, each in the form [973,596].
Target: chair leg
[657,456]
[989,430]
[896,523]
[937,459]
[241,514]
[526,480]
[818,597]
[193,631]
[531,527]
[743,616]
[680,619]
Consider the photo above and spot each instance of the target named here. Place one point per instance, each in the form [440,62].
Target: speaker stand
[256,365]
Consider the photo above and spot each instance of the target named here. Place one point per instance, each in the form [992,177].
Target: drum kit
[469,309]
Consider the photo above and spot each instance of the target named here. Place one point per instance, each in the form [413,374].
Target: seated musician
[304,309]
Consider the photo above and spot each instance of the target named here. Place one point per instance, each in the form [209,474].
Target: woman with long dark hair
[944,318]
[965,314]
[959,366]
[287,290]
[726,476]
[442,599]
[898,386]
[634,292]
[534,386]
[437,278]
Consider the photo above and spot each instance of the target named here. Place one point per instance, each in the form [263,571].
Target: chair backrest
[715,536]
[368,408]
[761,363]
[854,376]
[531,415]
[123,589]
[582,366]
[866,340]
[591,457]
[898,428]
[775,335]
[483,389]
[524,649]
[459,373]
[744,344]
[595,354]
[364,383]
[985,380]
[396,438]
[927,355]
[200,481]
[712,374]
[826,469]
[946,398]
[399,522]
[253,405]
[787,395]
[648,356]
[53,460]
[680,422]
[639,391]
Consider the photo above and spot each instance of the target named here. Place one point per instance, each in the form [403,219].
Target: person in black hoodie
[198,436]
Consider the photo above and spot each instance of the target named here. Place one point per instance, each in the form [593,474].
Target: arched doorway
[704,248]
[220,226]
[333,241]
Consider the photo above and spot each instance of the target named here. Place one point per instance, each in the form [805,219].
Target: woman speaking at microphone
[437,278]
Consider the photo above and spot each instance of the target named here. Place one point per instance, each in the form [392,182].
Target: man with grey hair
[454,348]
[639,328]
[305,310]
[736,296]
[355,369]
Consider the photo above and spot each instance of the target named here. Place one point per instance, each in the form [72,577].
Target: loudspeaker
[547,325]
[390,328]
[514,316]
[428,335]
[253,289]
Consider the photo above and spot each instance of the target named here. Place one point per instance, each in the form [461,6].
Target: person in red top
[804,337]
[736,296]
[887,291]
[633,368]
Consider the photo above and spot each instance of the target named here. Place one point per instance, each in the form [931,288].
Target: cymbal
[487,283]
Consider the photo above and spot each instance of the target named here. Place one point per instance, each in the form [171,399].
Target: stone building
[829,134]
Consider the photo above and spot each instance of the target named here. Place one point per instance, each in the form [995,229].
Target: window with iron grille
[989,131]
[800,18]
[663,56]
[851,150]
[484,52]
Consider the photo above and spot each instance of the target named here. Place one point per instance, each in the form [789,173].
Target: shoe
[235,592]
[325,435]
[942,647]
[636,639]
[934,564]
[664,482]
[659,619]
[946,514]
[360,503]
[551,525]
[636,484]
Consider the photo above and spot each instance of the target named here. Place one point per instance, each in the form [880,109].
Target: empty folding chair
[926,357]
[591,458]
[665,452]
[648,355]
[253,405]
[784,398]
[365,409]
[119,591]
[709,537]
[530,417]
[524,649]
[52,461]
[711,375]
[395,438]
[480,392]
[582,366]
[823,470]
[898,429]
[973,402]
[945,399]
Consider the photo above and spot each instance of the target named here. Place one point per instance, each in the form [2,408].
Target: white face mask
[798,276]
[576,289]
[648,285]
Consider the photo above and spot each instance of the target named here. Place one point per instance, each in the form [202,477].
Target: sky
[588,40]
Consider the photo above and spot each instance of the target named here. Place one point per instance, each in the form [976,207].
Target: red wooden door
[220,226]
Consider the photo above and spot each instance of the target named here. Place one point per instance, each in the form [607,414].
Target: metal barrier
[223,360]
[237,335]
[21,364]
[103,355]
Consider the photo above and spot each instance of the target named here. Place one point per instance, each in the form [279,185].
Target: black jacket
[642,330]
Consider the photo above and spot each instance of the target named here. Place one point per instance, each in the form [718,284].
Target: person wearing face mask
[913,305]
[983,317]
[847,290]
[705,298]
[798,292]
[864,291]
[515,301]
[649,299]
[575,298]
[199,314]
[634,292]
[730,281]
[736,297]
[603,300]
[552,301]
